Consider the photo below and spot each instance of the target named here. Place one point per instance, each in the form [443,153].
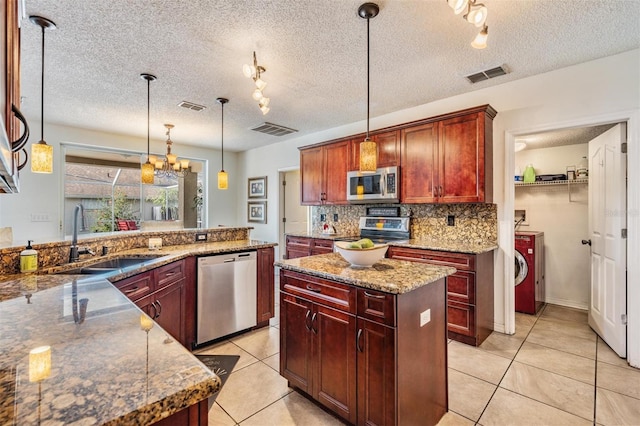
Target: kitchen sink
[110,265]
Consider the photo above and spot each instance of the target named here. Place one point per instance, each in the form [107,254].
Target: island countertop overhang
[387,275]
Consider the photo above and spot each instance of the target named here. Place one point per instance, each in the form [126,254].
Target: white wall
[601,87]
[43,193]
[564,223]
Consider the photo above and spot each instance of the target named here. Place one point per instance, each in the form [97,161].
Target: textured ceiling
[554,138]
[314,53]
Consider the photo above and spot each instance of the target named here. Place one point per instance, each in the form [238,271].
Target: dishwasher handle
[233,259]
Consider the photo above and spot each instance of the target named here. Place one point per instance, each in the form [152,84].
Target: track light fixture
[254,71]
[476,14]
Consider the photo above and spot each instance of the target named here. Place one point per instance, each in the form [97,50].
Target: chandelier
[170,166]
[254,71]
[475,14]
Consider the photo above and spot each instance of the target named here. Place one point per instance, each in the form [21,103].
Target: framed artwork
[258,187]
[257,211]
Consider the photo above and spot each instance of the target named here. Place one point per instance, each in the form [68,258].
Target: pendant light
[148,167]
[223,177]
[368,148]
[41,153]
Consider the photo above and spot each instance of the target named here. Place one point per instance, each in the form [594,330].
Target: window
[106,183]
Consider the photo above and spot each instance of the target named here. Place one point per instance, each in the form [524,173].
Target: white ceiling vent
[191,106]
[487,74]
[273,129]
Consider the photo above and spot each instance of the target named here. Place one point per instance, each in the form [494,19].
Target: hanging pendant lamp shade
[41,153]
[223,177]
[147,169]
[368,148]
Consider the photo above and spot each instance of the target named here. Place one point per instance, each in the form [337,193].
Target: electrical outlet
[425,317]
[40,217]
[335,217]
[323,217]
[451,220]
[201,236]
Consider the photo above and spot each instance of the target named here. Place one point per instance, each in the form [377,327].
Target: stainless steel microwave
[381,186]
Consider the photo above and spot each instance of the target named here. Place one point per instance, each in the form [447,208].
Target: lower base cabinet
[363,354]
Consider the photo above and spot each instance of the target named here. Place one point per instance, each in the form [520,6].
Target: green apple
[366,243]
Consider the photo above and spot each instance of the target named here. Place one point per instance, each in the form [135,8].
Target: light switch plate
[425,317]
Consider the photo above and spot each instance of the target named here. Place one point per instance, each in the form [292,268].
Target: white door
[607,219]
[294,216]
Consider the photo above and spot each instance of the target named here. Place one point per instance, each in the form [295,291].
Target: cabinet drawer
[137,286]
[461,318]
[335,295]
[377,306]
[321,243]
[299,241]
[457,260]
[169,274]
[461,287]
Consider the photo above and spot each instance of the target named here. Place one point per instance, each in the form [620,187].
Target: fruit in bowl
[362,253]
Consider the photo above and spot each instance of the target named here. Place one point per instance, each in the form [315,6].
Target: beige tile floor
[553,371]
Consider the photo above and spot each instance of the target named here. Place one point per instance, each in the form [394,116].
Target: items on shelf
[529,174]
[582,170]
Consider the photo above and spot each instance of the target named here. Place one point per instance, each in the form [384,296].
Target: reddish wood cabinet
[307,246]
[449,160]
[469,290]
[323,173]
[336,338]
[162,294]
[266,289]
[388,144]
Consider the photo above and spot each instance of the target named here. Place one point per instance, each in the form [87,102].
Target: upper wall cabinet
[388,144]
[323,174]
[449,160]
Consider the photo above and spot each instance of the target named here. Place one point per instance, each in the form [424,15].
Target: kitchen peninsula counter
[105,369]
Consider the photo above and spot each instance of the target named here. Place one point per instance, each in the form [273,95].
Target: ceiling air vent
[487,74]
[273,129]
[191,106]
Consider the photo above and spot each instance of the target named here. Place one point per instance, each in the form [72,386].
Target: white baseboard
[568,303]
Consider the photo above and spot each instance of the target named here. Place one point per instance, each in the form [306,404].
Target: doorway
[294,218]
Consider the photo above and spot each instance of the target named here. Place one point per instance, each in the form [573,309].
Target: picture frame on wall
[257,187]
[257,211]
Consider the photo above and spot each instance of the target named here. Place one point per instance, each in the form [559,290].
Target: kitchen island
[110,364]
[380,330]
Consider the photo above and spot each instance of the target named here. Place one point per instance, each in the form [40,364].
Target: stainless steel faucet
[75,252]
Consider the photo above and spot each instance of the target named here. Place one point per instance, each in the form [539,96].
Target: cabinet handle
[313,289]
[306,321]
[168,274]
[374,296]
[440,191]
[160,306]
[131,290]
[18,144]
[435,192]
[313,319]
[155,311]
[358,338]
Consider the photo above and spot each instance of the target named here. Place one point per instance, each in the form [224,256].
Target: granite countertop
[104,367]
[463,246]
[387,275]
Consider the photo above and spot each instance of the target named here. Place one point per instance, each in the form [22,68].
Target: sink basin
[110,265]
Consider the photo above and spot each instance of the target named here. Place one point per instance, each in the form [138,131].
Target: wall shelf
[555,182]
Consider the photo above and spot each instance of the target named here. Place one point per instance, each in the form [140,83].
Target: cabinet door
[376,374]
[388,144]
[295,342]
[418,171]
[334,383]
[321,246]
[170,302]
[462,162]
[298,247]
[311,176]
[266,288]
[336,165]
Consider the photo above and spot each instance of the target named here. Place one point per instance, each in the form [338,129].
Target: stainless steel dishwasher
[227,292]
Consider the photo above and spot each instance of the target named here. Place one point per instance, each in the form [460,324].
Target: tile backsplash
[472,222]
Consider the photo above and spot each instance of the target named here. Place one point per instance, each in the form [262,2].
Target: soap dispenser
[28,259]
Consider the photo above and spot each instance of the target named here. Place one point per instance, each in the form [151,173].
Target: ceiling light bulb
[458,6]
[261,84]
[477,15]
[265,109]
[171,158]
[264,102]
[480,42]
[520,145]
[248,70]
[257,94]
